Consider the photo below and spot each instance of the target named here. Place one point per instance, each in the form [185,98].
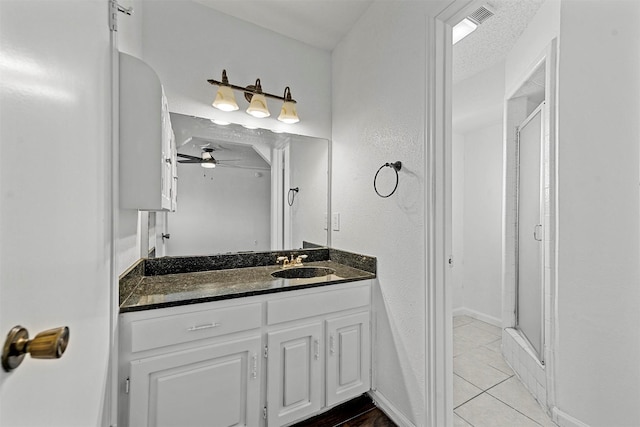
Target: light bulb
[225,99]
[258,107]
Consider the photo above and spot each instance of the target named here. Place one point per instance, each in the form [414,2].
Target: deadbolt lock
[49,344]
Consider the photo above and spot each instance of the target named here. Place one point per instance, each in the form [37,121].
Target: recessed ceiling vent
[479,16]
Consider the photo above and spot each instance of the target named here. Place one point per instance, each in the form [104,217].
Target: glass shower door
[530,296]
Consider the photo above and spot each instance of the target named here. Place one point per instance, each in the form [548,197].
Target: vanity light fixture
[258,106]
[288,112]
[257,100]
[225,99]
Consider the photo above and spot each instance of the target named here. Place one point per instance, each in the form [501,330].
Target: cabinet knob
[49,344]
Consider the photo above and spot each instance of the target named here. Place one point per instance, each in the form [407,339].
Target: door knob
[49,344]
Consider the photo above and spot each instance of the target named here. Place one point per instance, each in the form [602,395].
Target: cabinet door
[294,373]
[348,357]
[216,385]
[168,160]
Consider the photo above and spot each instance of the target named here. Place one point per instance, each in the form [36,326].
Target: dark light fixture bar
[249,90]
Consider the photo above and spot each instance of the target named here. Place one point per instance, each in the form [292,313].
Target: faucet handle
[280,259]
[303,256]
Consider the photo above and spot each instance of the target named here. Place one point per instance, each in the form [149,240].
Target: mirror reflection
[243,189]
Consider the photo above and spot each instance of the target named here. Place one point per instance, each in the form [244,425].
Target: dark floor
[358,412]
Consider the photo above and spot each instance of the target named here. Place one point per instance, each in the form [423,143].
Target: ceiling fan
[206,160]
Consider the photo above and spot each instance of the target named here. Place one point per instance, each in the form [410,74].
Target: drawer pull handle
[200,327]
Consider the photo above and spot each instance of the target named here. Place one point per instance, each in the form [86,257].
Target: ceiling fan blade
[229,160]
[187,156]
[191,161]
[244,167]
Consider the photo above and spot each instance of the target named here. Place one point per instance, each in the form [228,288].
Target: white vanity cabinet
[194,387]
[266,360]
[319,351]
[348,357]
[193,365]
[294,372]
[147,142]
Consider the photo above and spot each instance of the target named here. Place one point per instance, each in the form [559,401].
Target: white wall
[308,165]
[221,210]
[379,116]
[482,218]
[479,99]
[457,232]
[544,26]
[598,375]
[478,103]
[187,43]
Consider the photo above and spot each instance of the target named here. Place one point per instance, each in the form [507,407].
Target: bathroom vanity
[205,344]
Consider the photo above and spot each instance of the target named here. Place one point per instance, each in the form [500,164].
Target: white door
[348,357]
[55,90]
[215,385]
[294,373]
[530,231]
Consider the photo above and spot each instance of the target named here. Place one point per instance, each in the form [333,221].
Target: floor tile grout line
[515,409]
[464,419]
[467,401]
[482,392]
[487,390]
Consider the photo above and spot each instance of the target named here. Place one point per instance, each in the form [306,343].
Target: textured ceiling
[319,23]
[491,42]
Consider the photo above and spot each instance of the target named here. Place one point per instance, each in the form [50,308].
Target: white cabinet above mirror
[147,143]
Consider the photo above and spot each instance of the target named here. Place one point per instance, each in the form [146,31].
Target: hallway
[486,392]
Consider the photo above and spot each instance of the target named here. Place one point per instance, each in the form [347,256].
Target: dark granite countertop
[173,281]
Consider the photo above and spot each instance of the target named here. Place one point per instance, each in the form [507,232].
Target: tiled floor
[485,390]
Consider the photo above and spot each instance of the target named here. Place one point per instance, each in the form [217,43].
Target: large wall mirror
[267,191]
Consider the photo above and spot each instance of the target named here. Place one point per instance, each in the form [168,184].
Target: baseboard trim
[389,409]
[565,420]
[463,311]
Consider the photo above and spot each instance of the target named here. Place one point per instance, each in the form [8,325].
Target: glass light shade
[220,122]
[225,99]
[208,165]
[258,107]
[288,113]
[463,29]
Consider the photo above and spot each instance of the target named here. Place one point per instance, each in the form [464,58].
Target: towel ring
[291,195]
[396,167]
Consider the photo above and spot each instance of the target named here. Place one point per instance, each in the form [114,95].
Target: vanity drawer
[180,328]
[316,304]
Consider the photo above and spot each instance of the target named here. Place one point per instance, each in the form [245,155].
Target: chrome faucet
[290,262]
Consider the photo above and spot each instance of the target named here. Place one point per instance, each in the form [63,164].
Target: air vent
[479,16]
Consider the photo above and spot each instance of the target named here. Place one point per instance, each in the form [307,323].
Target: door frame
[438,208]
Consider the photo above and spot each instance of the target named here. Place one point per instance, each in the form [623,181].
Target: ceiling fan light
[208,165]
[225,99]
[258,107]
